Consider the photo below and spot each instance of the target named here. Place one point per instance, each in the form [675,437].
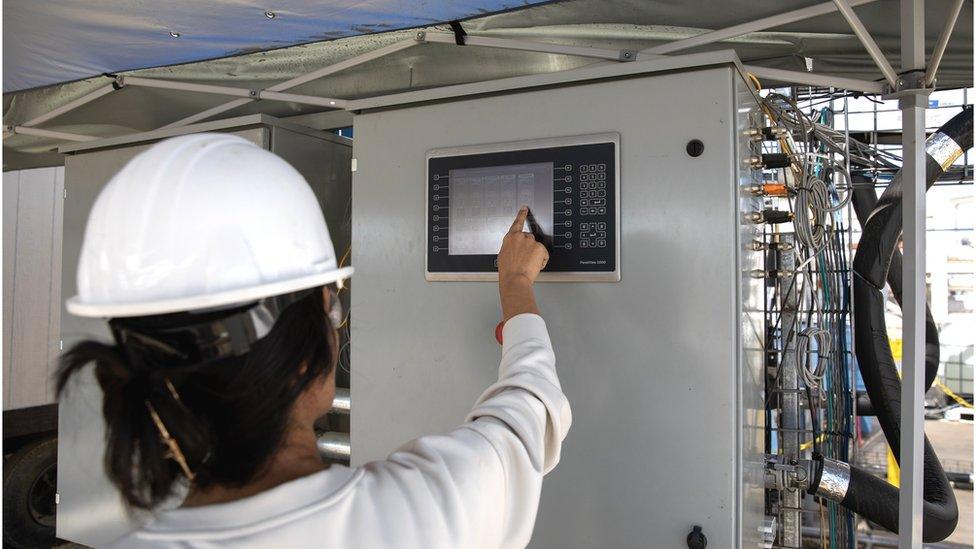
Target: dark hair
[231,415]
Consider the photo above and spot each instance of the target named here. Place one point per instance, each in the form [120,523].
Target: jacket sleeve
[479,486]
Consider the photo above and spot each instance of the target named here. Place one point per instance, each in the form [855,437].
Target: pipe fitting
[833,480]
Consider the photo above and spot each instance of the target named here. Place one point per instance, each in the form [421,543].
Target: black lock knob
[697,539]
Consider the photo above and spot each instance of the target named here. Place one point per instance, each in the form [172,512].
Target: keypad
[593,235]
[593,185]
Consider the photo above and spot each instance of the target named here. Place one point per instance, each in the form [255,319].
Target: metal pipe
[69,106]
[334,446]
[940,46]
[815,79]
[526,45]
[342,403]
[65,136]
[913,316]
[869,44]
[745,28]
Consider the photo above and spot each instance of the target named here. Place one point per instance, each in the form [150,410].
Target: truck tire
[29,487]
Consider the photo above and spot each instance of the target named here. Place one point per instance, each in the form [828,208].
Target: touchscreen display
[484,202]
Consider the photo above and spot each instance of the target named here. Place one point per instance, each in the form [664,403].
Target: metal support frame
[912,104]
[789,420]
[940,46]
[752,26]
[275,92]
[70,106]
[869,44]
[299,80]
[231,91]
[64,136]
[813,79]
[526,45]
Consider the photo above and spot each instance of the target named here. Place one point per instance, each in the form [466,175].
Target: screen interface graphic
[484,201]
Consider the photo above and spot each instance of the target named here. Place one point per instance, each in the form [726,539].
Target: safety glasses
[194,338]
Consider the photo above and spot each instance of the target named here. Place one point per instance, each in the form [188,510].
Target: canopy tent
[62,41]
[54,42]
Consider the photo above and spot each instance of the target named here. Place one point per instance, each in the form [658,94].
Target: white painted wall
[32,214]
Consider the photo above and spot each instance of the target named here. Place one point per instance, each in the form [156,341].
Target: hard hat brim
[207,301]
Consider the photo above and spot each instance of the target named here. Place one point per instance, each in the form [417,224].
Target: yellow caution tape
[952,395]
[896,347]
[808,445]
[894,472]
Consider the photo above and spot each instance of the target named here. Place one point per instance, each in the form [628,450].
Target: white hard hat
[200,222]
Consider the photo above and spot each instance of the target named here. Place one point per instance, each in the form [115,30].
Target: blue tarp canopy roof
[53,41]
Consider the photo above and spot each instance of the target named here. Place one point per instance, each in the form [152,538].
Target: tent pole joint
[909,84]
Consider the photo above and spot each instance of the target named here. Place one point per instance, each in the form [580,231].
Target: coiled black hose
[865,200]
[865,494]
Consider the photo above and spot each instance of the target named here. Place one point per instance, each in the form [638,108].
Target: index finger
[520,220]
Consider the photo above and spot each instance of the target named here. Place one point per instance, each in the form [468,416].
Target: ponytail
[219,421]
[137,457]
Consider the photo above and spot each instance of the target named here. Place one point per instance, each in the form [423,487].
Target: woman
[225,324]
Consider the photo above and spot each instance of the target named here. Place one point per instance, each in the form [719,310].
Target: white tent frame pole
[940,46]
[64,136]
[813,79]
[745,28]
[913,100]
[203,115]
[347,64]
[527,45]
[869,44]
[70,106]
[299,80]
[231,91]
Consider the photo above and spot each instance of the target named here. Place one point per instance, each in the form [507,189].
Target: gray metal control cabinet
[663,369]
[89,509]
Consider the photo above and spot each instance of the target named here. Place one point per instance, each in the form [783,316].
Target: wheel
[30,481]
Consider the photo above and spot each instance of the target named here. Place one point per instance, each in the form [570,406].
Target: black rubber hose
[872,497]
[863,403]
[882,230]
[866,495]
[865,200]
[940,512]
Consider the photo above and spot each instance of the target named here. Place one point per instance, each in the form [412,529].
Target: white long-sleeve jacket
[476,487]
